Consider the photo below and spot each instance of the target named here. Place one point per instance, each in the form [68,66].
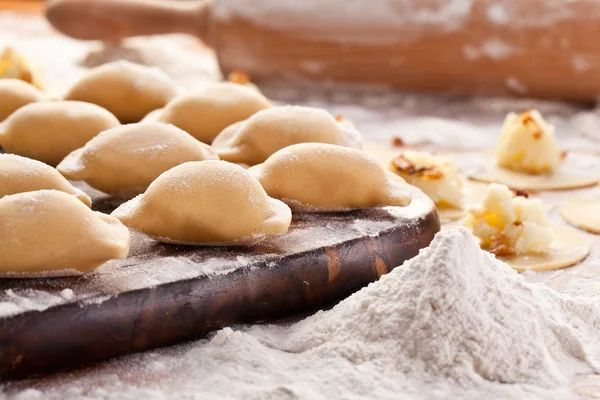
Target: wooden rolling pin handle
[112,20]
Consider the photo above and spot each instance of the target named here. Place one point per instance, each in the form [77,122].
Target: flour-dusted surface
[452,322]
[250,360]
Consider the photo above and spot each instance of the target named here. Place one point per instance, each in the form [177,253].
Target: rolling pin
[533,48]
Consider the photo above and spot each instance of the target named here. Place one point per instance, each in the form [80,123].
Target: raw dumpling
[205,112]
[130,91]
[48,131]
[124,160]
[206,203]
[14,94]
[324,177]
[254,140]
[21,174]
[53,233]
[15,66]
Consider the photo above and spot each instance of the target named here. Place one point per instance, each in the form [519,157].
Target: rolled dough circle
[451,214]
[567,249]
[564,177]
[582,213]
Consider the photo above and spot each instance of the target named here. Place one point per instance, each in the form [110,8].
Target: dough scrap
[206,203]
[128,90]
[314,177]
[527,144]
[205,112]
[14,94]
[48,131]
[582,213]
[568,248]
[563,177]
[123,161]
[21,174]
[252,141]
[49,230]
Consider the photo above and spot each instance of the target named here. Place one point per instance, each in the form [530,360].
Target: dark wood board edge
[35,343]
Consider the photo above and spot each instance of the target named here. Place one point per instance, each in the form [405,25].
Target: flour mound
[455,313]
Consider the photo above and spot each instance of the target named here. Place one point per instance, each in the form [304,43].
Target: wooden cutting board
[165,294]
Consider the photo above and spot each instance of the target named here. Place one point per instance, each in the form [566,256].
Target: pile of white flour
[453,321]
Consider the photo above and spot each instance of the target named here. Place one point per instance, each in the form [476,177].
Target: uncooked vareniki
[123,161]
[130,91]
[20,174]
[206,203]
[254,140]
[323,177]
[15,66]
[205,112]
[47,131]
[14,94]
[53,233]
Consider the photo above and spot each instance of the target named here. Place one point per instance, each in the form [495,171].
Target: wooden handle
[112,20]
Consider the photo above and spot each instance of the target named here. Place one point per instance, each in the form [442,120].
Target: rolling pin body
[537,48]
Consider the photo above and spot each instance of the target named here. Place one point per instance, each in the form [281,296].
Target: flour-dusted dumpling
[47,131]
[14,94]
[206,203]
[206,111]
[254,140]
[323,177]
[53,233]
[20,174]
[124,160]
[130,91]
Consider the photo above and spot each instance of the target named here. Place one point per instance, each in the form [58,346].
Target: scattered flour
[18,301]
[516,85]
[363,21]
[451,320]
[493,48]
